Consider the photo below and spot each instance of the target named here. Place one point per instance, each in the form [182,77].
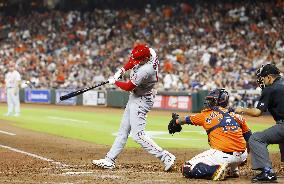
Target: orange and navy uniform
[228,138]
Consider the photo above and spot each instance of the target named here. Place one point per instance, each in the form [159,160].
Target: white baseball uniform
[216,157]
[140,102]
[12,80]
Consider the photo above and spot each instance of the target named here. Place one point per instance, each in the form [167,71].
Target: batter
[143,77]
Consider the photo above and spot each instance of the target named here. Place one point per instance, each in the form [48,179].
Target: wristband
[187,120]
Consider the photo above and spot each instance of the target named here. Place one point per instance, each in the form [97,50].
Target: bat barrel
[78,92]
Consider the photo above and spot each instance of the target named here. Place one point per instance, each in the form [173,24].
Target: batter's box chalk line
[58,164]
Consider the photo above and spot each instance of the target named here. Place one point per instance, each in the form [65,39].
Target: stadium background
[64,45]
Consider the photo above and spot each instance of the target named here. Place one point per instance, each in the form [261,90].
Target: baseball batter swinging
[227,136]
[143,77]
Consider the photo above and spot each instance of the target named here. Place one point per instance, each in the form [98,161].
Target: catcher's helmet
[265,70]
[217,97]
[139,53]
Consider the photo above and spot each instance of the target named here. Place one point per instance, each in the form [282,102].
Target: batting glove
[111,80]
[119,73]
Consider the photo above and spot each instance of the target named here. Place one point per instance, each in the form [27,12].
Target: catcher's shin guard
[202,171]
[221,172]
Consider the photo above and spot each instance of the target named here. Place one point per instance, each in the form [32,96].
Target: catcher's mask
[263,71]
[217,97]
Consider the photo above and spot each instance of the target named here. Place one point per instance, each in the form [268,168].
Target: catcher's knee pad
[200,171]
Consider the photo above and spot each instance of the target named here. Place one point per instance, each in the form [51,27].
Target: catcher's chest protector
[227,122]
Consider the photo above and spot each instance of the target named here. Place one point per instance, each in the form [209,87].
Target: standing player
[227,136]
[271,99]
[143,77]
[12,80]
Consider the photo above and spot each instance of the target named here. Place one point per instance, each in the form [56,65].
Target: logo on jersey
[211,116]
[230,125]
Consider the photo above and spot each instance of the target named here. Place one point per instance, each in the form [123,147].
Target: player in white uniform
[12,80]
[143,77]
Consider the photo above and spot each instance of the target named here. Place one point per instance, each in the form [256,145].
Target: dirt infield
[32,157]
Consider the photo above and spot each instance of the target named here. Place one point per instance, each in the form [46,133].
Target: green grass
[98,127]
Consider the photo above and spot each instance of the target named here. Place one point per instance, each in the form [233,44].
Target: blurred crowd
[200,46]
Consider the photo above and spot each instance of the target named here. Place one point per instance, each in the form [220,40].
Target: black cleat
[265,177]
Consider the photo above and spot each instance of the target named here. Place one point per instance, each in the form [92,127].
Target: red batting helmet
[139,53]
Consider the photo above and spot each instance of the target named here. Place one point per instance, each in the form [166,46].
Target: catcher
[228,134]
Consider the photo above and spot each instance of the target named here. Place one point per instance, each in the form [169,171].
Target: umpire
[271,99]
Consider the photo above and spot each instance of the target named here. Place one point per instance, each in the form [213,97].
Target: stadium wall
[176,101]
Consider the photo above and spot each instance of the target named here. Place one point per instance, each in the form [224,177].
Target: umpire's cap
[267,70]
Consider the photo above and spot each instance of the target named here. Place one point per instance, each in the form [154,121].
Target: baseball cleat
[168,160]
[264,177]
[103,163]
[221,172]
[185,170]
[233,173]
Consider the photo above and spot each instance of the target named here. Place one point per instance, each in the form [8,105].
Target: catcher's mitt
[173,127]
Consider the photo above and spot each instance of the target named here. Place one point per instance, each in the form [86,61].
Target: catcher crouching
[228,135]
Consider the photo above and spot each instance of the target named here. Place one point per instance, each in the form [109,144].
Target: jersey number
[156,67]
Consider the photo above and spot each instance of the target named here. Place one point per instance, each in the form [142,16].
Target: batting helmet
[265,70]
[139,53]
[217,97]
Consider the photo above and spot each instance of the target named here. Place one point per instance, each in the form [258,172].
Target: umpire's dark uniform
[271,99]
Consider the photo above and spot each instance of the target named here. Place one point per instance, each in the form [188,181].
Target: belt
[231,153]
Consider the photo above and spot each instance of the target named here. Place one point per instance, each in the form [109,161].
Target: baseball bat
[80,91]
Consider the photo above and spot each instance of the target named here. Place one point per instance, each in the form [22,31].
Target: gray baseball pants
[134,121]
[259,141]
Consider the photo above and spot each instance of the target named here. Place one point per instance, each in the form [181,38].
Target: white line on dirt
[34,155]
[67,119]
[77,173]
[100,175]
[7,133]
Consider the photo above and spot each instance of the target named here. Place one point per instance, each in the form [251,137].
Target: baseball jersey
[272,99]
[227,139]
[12,79]
[144,77]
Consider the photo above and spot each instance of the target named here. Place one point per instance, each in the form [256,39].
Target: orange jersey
[228,138]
